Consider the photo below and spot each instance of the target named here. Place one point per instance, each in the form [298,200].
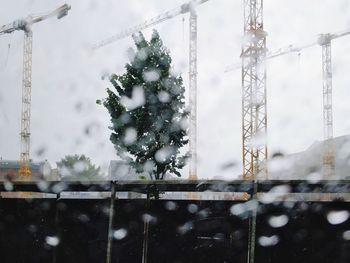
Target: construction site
[267,178]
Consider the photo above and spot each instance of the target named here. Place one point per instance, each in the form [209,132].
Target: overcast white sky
[67,78]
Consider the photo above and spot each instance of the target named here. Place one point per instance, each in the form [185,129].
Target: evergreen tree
[147,109]
[77,167]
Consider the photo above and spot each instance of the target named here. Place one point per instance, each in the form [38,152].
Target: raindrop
[252,205]
[275,194]
[184,123]
[183,229]
[174,72]
[78,106]
[237,235]
[227,166]
[8,186]
[337,217]
[163,96]
[80,166]
[92,129]
[304,206]
[131,54]
[52,240]
[120,233]
[83,218]
[137,99]
[164,154]
[314,177]
[142,54]
[148,166]
[130,136]
[284,189]
[105,75]
[40,151]
[170,205]
[151,75]
[59,187]
[278,221]
[346,235]
[43,185]
[138,37]
[204,213]
[265,241]
[32,228]
[238,209]
[192,208]
[258,140]
[279,164]
[149,218]
[175,89]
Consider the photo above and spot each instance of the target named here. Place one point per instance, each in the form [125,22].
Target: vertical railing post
[110,224]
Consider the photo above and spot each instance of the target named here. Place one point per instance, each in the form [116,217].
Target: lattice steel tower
[254,115]
[328,148]
[26,102]
[193,93]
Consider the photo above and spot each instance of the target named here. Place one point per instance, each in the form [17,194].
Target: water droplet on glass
[149,218]
[151,75]
[80,166]
[8,186]
[43,185]
[278,221]
[266,241]
[32,228]
[130,136]
[164,154]
[314,177]
[163,96]
[337,217]
[40,151]
[238,209]
[170,205]
[120,233]
[192,208]
[52,240]
[83,218]
[183,229]
[137,99]
[346,235]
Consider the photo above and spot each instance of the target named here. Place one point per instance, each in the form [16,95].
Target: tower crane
[323,40]
[189,7]
[254,115]
[25,25]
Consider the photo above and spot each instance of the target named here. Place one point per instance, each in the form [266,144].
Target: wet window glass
[174,131]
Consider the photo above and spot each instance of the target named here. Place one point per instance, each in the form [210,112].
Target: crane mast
[254,116]
[25,25]
[328,148]
[193,94]
[26,103]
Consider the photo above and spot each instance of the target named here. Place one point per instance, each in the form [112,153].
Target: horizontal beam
[144,186]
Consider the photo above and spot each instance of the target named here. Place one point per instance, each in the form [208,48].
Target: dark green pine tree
[147,108]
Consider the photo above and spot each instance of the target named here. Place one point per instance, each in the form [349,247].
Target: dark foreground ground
[76,230]
[180,231]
